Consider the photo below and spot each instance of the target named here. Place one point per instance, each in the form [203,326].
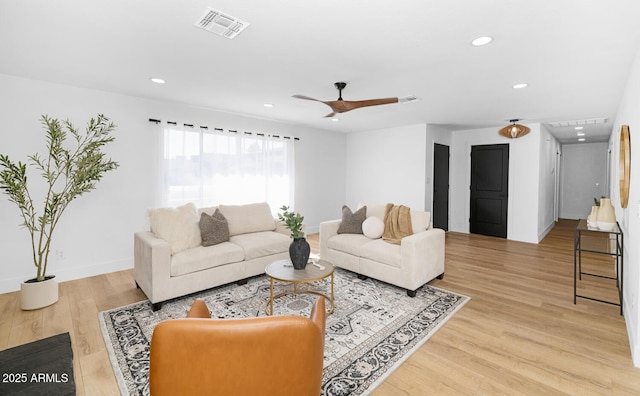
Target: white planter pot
[36,295]
[592,219]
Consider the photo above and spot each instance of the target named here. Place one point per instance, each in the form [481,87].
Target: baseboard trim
[634,345]
[546,231]
[67,274]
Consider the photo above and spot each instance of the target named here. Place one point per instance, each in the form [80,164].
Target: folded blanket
[397,223]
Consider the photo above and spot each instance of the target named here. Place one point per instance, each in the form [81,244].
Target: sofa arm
[152,264]
[423,254]
[327,230]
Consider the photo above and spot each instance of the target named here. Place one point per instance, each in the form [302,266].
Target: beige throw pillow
[373,227]
[178,226]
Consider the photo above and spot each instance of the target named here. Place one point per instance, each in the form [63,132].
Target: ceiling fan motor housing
[340,86]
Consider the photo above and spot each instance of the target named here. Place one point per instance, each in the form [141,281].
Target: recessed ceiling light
[268,105]
[580,133]
[335,119]
[480,41]
[582,139]
[157,80]
[578,128]
[519,86]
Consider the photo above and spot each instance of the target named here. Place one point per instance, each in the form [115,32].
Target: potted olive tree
[69,170]
[299,249]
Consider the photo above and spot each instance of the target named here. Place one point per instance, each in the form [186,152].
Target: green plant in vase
[299,250]
[68,171]
[293,221]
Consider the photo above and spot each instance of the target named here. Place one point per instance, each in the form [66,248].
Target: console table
[594,240]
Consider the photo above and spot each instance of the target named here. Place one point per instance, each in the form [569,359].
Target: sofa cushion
[352,221]
[214,229]
[210,210]
[373,227]
[420,221]
[244,219]
[178,226]
[201,258]
[376,210]
[347,243]
[382,252]
[260,244]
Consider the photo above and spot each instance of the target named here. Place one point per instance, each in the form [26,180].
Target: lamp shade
[514,131]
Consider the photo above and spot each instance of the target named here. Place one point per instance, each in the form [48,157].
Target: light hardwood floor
[519,334]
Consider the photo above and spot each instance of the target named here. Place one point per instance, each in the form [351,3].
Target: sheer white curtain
[220,167]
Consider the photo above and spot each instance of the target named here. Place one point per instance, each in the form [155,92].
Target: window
[217,167]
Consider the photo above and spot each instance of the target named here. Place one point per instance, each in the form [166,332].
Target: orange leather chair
[275,355]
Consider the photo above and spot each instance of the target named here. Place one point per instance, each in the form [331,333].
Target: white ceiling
[575,56]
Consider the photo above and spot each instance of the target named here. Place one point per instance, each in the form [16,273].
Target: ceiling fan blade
[307,98]
[341,106]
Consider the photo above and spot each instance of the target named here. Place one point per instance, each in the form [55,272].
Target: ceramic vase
[606,215]
[36,295]
[592,219]
[299,252]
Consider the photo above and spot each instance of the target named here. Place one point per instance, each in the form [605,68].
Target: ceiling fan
[341,106]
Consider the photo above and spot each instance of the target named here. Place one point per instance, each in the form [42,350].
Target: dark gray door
[489,189]
[441,186]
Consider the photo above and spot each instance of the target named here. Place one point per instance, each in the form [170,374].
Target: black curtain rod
[156,121]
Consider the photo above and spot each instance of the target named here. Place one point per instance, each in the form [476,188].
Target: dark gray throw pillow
[352,222]
[213,229]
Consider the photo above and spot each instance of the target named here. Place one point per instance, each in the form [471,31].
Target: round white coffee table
[283,271]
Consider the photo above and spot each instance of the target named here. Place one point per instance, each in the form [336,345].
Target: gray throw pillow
[352,222]
[213,229]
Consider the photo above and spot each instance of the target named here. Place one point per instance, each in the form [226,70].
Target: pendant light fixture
[514,130]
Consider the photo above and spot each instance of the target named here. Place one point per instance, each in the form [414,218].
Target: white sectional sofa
[418,258]
[172,259]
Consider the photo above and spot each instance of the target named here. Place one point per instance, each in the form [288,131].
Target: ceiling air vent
[558,124]
[220,23]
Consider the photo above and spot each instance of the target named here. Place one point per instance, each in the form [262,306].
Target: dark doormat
[43,367]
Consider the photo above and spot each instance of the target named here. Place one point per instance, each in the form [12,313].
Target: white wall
[524,180]
[583,177]
[387,166]
[629,218]
[548,191]
[96,232]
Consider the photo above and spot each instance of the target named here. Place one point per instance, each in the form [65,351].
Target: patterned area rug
[374,328]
